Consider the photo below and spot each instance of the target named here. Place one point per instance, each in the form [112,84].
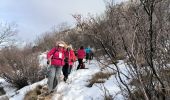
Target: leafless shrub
[45,42]
[7,32]
[19,67]
[139,32]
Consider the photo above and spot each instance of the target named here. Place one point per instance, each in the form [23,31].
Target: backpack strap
[54,53]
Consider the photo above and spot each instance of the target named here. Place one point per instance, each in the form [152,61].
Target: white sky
[34,17]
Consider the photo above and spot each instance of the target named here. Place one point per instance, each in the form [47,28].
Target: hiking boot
[52,92]
[65,79]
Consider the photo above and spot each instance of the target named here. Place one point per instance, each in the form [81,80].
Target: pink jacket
[71,56]
[57,56]
[81,53]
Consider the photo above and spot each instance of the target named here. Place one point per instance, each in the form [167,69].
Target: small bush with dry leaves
[39,93]
[99,77]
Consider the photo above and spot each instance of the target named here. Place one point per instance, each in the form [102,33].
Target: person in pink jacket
[80,55]
[55,57]
[69,60]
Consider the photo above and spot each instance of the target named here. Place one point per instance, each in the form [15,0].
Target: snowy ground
[75,87]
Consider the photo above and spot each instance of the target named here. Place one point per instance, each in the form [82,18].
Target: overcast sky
[34,17]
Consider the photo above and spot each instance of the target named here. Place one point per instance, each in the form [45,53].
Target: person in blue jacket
[88,54]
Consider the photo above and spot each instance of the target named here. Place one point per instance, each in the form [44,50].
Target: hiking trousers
[65,71]
[54,73]
[81,64]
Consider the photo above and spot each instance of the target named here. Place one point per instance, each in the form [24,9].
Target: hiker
[80,55]
[69,60]
[88,54]
[92,53]
[55,58]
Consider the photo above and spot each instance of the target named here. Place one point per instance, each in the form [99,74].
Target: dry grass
[139,95]
[38,94]
[120,56]
[99,77]
[145,79]
[108,97]
[33,95]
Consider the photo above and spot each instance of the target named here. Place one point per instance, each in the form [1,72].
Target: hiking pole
[75,67]
[46,71]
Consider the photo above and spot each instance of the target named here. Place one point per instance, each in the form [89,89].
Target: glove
[48,62]
[66,60]
[72,60]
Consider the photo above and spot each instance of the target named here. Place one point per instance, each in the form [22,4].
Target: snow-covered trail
[75,87]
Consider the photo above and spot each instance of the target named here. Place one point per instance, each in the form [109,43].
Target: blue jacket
[88,50]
